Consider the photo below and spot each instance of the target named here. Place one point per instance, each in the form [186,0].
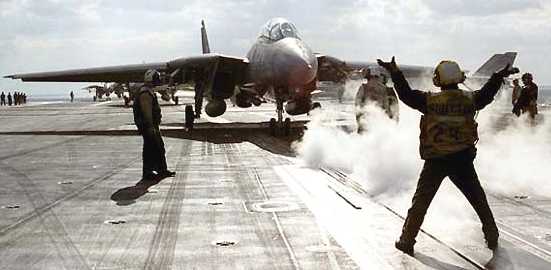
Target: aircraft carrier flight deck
[71,198]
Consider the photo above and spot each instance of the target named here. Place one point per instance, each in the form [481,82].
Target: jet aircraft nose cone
[295,62]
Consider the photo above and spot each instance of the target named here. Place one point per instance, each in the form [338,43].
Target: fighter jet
[99,91]
[279,64]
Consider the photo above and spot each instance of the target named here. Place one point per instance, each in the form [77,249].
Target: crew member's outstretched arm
[413,98]
[486,94]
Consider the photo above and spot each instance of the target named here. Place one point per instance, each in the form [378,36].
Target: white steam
[511,160]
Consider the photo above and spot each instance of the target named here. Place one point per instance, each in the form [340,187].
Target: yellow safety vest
[448,126]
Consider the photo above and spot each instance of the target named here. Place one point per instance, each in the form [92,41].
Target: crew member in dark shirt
[447,143]
[147,117]
[528,99]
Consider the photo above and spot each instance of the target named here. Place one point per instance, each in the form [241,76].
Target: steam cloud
[512,160]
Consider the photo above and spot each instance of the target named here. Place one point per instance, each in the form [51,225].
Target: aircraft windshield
[277,29]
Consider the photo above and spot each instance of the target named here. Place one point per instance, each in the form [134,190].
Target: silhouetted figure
[72,96]
[377,92]
[2,99]
[9,99]
[25,98]
[447,137]
[147,117]
[516,92]
[528,99]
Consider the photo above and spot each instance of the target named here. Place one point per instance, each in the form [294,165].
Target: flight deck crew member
[147,117]
[447,143]
[72,95]
[9,99]
[528,99]
[2,99]
[375,91]
[516,92]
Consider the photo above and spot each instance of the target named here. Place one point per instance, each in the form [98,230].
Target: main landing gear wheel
[273,127]
[316,105]
[287,126]
[190,117]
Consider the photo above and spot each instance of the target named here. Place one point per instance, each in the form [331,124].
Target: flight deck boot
[492,240]
[405,247]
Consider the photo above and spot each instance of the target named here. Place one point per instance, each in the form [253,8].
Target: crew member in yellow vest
[447,143]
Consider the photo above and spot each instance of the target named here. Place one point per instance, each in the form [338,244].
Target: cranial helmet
[152,76]
[448,73]
[527,76]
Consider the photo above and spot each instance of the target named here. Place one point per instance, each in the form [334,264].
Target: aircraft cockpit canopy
[279,28]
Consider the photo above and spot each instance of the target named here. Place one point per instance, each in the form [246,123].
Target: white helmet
[448,73]
[152,76]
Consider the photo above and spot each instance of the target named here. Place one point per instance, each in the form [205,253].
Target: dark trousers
[153,152]
[3,102]
[462,173]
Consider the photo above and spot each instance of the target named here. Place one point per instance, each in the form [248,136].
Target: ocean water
[84,96]
[544,95]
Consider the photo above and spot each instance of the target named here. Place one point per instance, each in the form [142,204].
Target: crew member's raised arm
[413,98]
[486,94]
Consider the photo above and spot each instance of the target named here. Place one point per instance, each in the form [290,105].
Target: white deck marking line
[512,235]
[30,104]
[315,196]
[330,254]
[277,221]
[102,103]
[360,190]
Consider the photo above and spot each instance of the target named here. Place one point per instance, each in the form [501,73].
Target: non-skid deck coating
[71,198]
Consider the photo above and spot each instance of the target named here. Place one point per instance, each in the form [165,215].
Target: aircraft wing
[333,69]
[126,73]
[135,73]
[409,71]
[336,70]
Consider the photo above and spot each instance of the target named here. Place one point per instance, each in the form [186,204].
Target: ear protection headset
[447,73]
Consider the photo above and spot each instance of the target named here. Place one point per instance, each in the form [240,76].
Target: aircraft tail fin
[496,63]
[204,38]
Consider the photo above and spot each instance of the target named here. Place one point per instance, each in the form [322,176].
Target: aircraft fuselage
[286,64]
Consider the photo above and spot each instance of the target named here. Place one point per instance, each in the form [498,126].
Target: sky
[47,35]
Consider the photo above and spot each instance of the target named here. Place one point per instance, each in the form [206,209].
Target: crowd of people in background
[17,98]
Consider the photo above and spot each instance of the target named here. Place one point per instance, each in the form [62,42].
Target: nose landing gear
[280,127]
[190,117]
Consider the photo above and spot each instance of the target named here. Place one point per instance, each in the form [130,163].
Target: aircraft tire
[316,105]
[273,126]
[190,117]
[287,126]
